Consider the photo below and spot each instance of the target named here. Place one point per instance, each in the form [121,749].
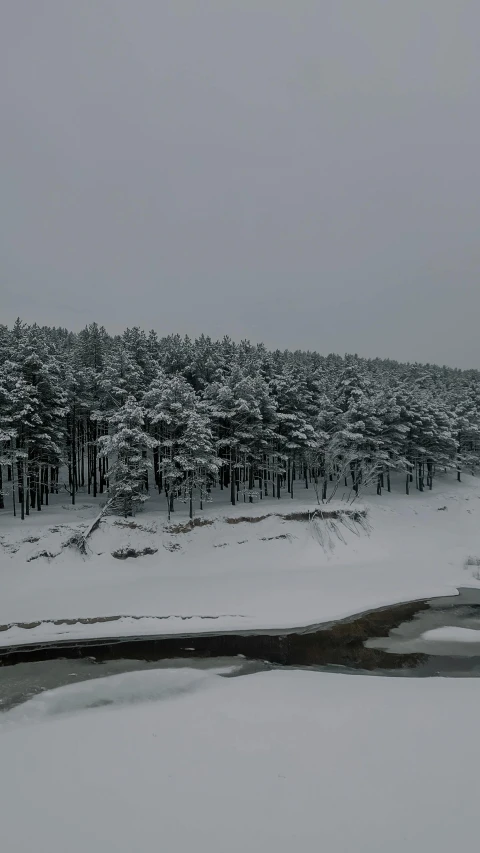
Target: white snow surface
[452,634]
[268,762]
[271,574]
[124,689]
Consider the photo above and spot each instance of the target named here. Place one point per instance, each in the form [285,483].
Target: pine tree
[37,412]
[196,457]
[169,403]
[467,410]
[126,443]
[243,414]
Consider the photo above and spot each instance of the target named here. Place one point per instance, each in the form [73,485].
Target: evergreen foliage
[214,413]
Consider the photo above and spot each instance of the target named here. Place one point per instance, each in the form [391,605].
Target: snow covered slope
[220,576]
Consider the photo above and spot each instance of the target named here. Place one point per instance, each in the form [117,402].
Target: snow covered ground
[223,576]
[184,758]
[276,761]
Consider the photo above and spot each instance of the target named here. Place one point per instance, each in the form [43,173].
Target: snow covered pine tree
[125,444]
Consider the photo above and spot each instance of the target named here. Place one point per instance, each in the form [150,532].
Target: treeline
[129,413]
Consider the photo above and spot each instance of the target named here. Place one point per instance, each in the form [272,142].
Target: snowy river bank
[418,639]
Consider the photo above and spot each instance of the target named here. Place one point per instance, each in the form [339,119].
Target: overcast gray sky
[302,172]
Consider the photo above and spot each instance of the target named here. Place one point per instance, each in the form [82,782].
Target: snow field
[271,761]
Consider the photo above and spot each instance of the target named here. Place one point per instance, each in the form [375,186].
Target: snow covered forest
[122,415]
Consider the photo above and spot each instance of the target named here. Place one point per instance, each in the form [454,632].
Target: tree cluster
[125,414]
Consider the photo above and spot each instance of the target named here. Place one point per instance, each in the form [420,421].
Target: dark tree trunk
[430,475]
[82,454]
[89,458]
[19,482]
[74,456]
[21,474]
[39,489]
[27,489]
[94,459]
[232,485]
[12,472]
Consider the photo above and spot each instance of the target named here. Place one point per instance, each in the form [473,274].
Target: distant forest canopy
[127,413]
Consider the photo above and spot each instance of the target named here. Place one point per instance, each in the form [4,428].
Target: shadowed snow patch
[125,689]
